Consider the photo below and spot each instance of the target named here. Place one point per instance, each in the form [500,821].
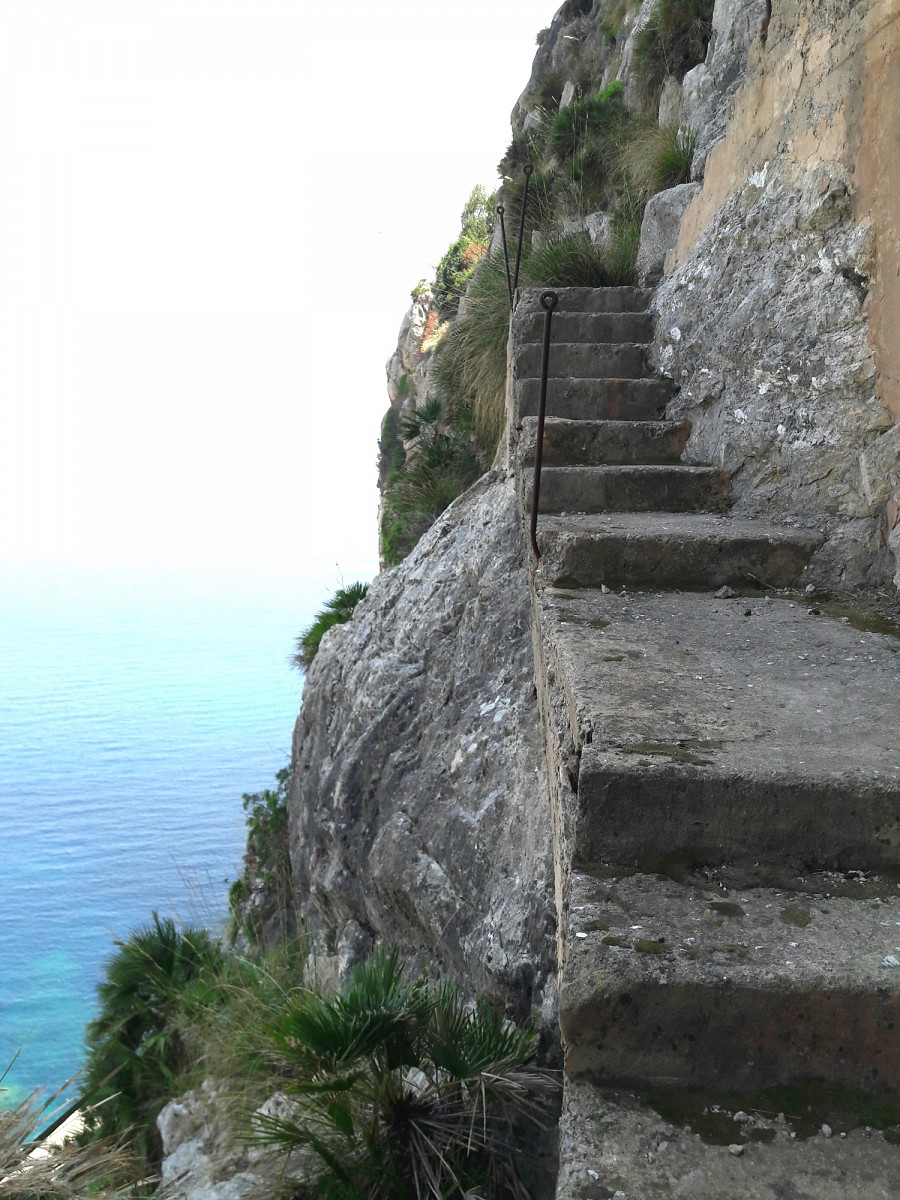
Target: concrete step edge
[667,983]
[616,1144]
[665,551]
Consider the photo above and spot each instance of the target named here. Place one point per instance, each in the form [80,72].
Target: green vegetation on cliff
[439,461]
[394,1086]
[399,1089]
[594,156]
[674,40]
[462,256]
[261,899]
[158,979]
[336,611]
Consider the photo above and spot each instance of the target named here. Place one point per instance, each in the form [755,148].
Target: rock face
[709,88]
[203,1158]
[407,368]
[660,229]
[776,317]
[417,811]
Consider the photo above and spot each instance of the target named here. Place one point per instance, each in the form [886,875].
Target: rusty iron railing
[549,301]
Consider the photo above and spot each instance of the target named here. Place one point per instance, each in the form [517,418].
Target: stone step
[667,985]
[665,550]
[632,488]
[589,327]
[588,299]
[596,399]
[692,1147]
[741,735]
[583,360]
[570,443]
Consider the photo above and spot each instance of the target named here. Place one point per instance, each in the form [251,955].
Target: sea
[136,708]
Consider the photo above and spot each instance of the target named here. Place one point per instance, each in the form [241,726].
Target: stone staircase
[726,809]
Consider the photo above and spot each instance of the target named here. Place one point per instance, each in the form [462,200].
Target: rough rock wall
[418,809]
[407,368]
[779,317]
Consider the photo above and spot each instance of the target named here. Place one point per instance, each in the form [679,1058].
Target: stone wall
[780,312]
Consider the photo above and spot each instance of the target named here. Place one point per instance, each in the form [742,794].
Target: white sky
[211,216]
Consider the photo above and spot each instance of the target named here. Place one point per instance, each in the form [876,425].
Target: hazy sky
[211,215]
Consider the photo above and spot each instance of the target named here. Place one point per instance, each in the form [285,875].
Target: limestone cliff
[419,805]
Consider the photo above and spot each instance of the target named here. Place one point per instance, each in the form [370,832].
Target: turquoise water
[134,712]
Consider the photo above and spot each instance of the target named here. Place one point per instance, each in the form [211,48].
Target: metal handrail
[512,281]
[500,211]
[529,171]
[549,301]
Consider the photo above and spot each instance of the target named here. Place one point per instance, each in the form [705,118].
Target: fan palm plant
[337,611]
[401,1090]
[136,1047]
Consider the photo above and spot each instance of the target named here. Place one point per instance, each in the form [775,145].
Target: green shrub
[440,463]
[542,201]
[337,611]
[136,1045]
[586,118]
[548,92]
[518,153]
[660,157]
[401,1090]
[266,880]
[459,261]
[674,40]
[542,35]
[391,454]
[227,1039]
[622,251]
[397,535]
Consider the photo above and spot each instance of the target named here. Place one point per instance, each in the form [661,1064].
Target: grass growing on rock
[439,463]
[583,120]
[674,40]
[659,157]
[470,366]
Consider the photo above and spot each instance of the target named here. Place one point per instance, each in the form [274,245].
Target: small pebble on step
[736,1150]
[827,1131]
[725,593]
